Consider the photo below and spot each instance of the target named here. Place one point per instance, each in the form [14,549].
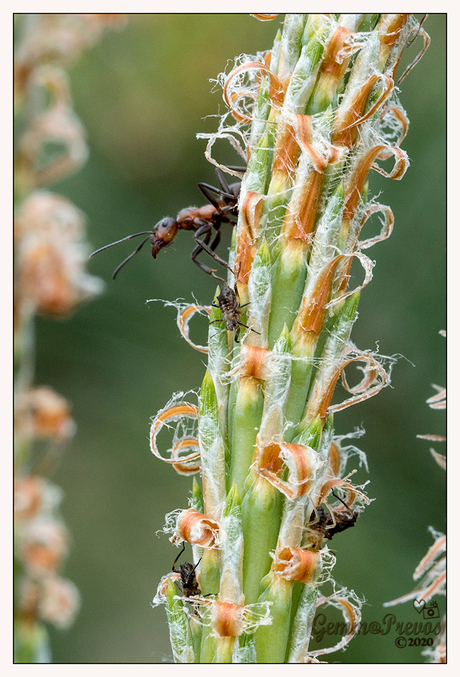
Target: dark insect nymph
[188,580]
[203,221]
[229,304]
[327,523]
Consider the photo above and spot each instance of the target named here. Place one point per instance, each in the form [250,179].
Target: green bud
[302,624]
[291,43]
[261,507]
[311,435]
[212,447]
[271,640]
[209,583]
[179,629]
[247,415]
[288,285]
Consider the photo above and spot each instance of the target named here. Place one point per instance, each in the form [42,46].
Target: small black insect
[223,208]
[229,304]
[327,523]
[188,580]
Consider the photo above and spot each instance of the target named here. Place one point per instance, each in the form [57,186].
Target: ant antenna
[124,239]
[112,244]
[193,570]
[118,268]
[342,501]
[174,563]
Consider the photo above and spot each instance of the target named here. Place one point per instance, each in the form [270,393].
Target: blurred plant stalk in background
[311,118]
[431,573]
[50,280]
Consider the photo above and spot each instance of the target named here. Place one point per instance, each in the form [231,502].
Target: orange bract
[184,465]
[194,527]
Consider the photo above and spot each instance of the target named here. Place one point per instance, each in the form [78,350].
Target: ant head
[163,234]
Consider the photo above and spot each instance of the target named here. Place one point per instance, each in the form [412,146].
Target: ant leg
[222,180]
[118,268]
[174,563]
[206,229]
[207,191]
[237,168]
[216,240]
[204,268]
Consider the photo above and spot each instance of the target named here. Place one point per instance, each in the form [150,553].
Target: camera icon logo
[428,611]
[431,611]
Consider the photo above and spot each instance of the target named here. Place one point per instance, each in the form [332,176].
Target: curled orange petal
[295,564]
[432,438]
[183,320]
[355,186]
[352,616]
[304,134]
[299,461]
[195,528]
[276,90]
[400,166]
[352,118]
[403,120]
[426,44]
[183,464]
[374,379]
[353,494]
[438,546]
[367,264]
[265,17]
[387,225]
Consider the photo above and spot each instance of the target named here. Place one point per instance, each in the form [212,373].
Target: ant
[229,304]
[223,208]
[332,522]
[188,580]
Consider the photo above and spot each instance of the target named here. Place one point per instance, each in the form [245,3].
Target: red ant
[201,220]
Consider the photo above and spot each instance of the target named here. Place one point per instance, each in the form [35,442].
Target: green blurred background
[143,93]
